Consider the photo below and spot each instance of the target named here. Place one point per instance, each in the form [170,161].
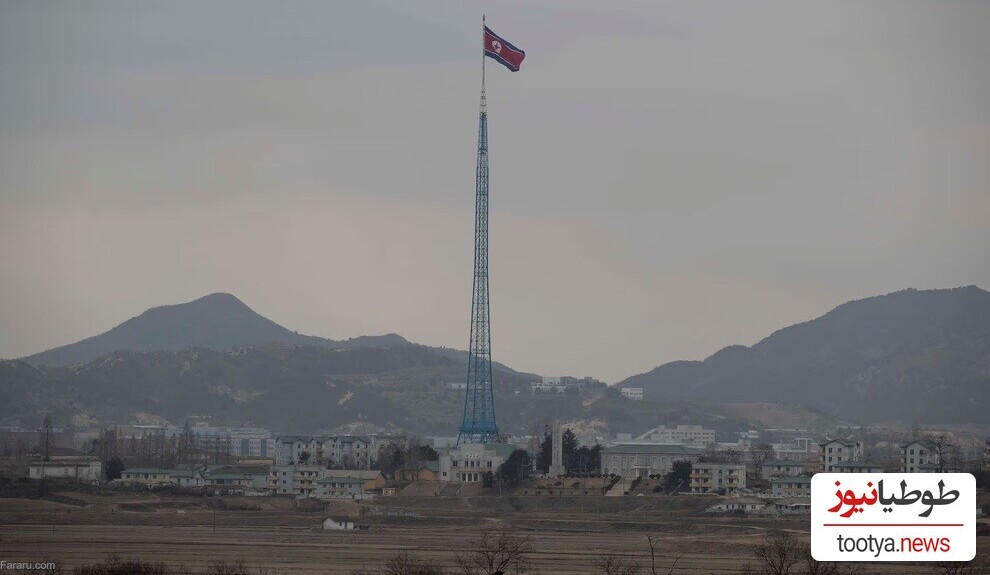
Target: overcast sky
[667,178]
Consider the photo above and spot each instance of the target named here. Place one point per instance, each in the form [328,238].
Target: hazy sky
[667,177]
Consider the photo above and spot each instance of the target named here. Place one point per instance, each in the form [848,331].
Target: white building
[145,476]
[340,488]
[916,457]
[188,475]
[747,504]
[334,524]
[543,387]
[634,393]
[472,461]
[721,478]
[799,449]
[630,460]
[791,487]
[835,451]
[348,451]
[298,480]
[691,435]
[79,468]
[781,468]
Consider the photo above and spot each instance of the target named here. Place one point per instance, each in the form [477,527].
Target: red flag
[502,52]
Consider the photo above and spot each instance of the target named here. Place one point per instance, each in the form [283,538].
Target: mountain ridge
[911,354]
[218,321]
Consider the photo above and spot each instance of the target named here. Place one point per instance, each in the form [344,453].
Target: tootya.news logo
[893,516]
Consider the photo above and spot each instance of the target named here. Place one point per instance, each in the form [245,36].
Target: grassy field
[567,534]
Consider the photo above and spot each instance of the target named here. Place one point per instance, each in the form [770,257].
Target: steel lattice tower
[478,425]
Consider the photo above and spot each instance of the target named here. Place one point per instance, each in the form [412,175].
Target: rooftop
[661,448]
[361,474]
[858,465]
[798,479]
[341,481]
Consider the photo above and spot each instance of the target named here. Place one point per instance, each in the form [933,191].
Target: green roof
[145,471]
[842,441]
[244,469]
[501,449]
[362,474]
[223,475]
[782,463]
[649,448]
[798,479]
[858,465]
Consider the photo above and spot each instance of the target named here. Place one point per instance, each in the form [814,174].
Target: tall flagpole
[484,98]
[478,424]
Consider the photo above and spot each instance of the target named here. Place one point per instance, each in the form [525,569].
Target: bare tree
[612,564]
[813,566]
[779,554]
[47,437]
[943,448]
[954,568]
[408,564]
[654,543]
[759,455]
[851,569]
[496,552]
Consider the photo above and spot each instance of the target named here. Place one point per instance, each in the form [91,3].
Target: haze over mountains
[912,356]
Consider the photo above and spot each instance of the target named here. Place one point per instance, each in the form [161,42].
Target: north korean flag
[502,52]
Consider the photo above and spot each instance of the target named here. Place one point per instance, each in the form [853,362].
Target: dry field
[272,532]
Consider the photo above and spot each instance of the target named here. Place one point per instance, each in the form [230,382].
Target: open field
[272,532]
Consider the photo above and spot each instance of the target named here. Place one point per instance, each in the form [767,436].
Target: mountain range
[218,321]
[913,356]
[910,356]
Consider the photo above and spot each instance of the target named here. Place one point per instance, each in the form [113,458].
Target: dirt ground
[567,534]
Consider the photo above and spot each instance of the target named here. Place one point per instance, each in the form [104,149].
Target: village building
[801,449]
[247,478]
[834,451]
[345,451]
[149,476]
[75,467]
[188,475]
[721,478]
[917,457]
[783,468]
[633,393]
[371,479]
[690,435]
[426,471]
[341,488]
[744,504]
[791,487]
[298,480]
[631,460]
[857,467]
[471,462]
[335,524]
[793,506]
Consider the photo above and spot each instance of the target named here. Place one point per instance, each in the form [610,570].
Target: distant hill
[218,321]
[283,387]
[216,356]
[912,356]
